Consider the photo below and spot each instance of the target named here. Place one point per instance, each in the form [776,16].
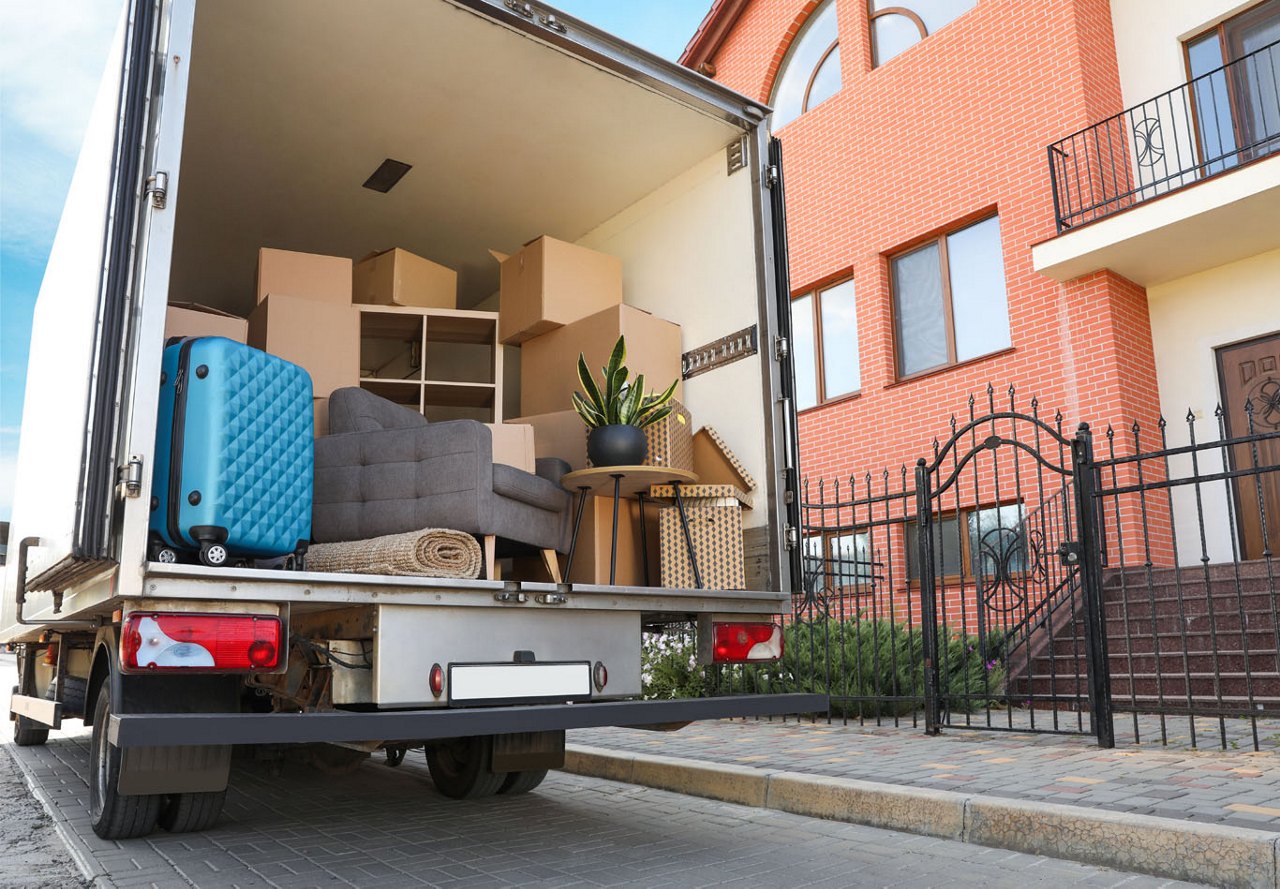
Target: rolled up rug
[431,552]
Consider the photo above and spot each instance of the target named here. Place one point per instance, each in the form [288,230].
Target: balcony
[1184,181]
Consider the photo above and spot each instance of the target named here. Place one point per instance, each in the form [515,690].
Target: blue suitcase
[234,464]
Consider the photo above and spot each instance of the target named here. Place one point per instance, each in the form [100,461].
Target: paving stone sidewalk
[1240,789]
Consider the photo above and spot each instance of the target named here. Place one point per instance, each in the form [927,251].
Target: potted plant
[618,410]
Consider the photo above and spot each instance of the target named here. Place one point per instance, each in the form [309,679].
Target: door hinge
[130,478]
[158,188]
[780,348]
[792,536]
[771,175]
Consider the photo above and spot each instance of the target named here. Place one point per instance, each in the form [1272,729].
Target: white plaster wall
[1190,317]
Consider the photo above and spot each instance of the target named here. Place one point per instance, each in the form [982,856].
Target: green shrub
[669,665]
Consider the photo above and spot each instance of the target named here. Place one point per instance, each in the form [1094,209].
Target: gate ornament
[1010,562]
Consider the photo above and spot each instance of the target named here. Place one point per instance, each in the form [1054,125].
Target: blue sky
[51,57]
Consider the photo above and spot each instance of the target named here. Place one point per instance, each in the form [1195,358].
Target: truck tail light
[746,642]
[209,642]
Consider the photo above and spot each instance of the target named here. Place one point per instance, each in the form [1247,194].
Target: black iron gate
[965,594]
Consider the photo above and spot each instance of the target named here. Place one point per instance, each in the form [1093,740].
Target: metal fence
[1209,125]
[1011,579]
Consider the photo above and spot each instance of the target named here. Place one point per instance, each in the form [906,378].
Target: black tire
[114,816]
[522,782]
[189,812]
[395,756]
[74,694]
[29,734]
[461,768]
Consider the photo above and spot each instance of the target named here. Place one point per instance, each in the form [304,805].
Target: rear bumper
[193,729]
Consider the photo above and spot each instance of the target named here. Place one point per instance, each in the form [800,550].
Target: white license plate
[519,683]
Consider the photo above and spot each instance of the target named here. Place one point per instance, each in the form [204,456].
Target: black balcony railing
[1210,125]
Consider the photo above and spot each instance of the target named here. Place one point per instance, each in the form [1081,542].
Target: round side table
[628,481]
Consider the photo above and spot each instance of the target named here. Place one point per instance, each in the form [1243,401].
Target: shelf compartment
[451,394]
[405,392]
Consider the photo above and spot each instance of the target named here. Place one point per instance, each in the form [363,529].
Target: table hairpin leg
[577,523]
[613,549]
[644,539]
[688,537]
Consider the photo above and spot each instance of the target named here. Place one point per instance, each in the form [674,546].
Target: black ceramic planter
[617,446]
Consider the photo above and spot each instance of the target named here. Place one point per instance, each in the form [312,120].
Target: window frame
[863,585]
[1219,31]
[817,67]
[819,341]
[967,574]
[948,308]
[908,13]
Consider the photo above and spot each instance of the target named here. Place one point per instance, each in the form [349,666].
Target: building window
[824,330]
[897,25]
[1237,111]
[838,562]
[810,73]
[949,299]
[973,543]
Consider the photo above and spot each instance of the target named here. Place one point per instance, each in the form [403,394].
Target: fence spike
[1035,406]
[1160,423]
[1110,431]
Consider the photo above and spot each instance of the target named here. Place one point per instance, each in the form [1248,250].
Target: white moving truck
[224,125]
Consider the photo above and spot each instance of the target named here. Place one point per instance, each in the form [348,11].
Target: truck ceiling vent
[389,173]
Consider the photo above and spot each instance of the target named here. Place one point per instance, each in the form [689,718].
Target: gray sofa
[384,469]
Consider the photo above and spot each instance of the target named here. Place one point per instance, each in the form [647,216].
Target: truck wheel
[461,768]
[115,816]
[189,812]
[395,756]
[522,782]
[29,734]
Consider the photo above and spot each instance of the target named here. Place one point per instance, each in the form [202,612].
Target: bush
[858,660]
[669,665]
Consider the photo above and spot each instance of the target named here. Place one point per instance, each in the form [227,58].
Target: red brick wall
[952,128]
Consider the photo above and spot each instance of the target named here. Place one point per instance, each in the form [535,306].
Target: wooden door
[1249,373]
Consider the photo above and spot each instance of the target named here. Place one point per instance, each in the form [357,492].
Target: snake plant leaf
[631,401]
[618,356]
[657,416]
[614,393]
[590,416]
[589,385]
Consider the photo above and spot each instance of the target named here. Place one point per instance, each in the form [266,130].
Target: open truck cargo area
[459,131]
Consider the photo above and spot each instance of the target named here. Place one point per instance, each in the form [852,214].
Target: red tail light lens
[736,643]
[214,643]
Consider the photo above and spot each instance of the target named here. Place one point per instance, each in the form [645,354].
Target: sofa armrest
[551,468]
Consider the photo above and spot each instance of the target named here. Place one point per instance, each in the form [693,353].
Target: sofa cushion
[352,409]
[527,488]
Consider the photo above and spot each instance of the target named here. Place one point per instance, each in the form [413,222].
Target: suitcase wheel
[166,555]
[213,554]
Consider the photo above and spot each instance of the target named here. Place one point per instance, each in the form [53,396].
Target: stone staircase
[1178,640]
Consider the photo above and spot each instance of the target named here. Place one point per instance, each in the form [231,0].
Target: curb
[1162,847]
[93,872]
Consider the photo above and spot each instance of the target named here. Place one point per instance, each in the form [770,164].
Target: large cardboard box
[308,275]
[322,338]
[715,526]
[193,319]
[513,445]
[320,413]
[591,558]
[397,277]
[551,283]
[549,363]
[558,434]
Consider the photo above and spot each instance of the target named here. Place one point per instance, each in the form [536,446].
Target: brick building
[933,250]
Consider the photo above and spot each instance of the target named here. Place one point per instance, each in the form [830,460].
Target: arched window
[810,73]
[899,24]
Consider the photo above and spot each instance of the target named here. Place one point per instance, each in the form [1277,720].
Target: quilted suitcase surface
[234,453]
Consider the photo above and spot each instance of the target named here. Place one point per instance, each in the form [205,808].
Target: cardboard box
[591,558]
[549,363]
[558,434]
[551,283]
[716,531]
[704,495]
[716,464]
[193,319]
[397,277]
[322,338]
[320,412]
[307,275]
[513,445]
